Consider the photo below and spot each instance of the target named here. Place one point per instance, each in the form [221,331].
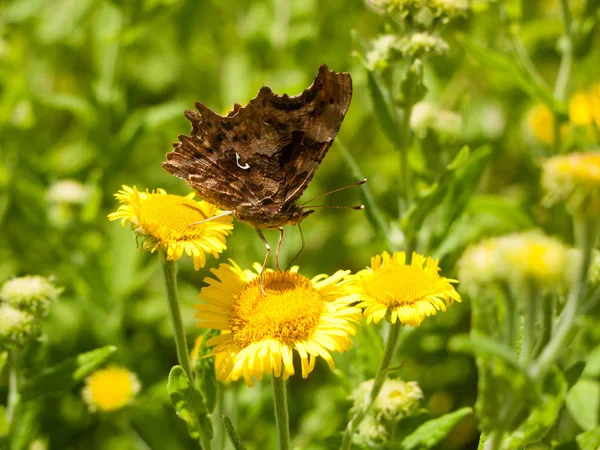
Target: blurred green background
[94,91]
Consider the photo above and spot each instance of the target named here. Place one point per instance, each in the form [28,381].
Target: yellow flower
[575,179]
[110,389]
[407,292]
[261,330]
[514,258]
[195,353]
[584,107]
[580,109]
[541,123]
[164,220]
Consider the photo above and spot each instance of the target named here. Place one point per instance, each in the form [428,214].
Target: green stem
[587,230]
[388,353]
[13,386]
[404,166]
[281,413]
[170,273]
[529,332]
[566,62]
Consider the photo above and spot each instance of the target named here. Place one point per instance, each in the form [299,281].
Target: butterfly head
[299,214]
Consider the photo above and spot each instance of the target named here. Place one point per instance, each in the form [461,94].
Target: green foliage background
[95,91]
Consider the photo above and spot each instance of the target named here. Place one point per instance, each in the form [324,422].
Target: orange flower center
[289,310]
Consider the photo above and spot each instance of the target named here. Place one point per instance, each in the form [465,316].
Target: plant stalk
[587,230]
[281,413]
[13,386]
[388,353]
[170,273]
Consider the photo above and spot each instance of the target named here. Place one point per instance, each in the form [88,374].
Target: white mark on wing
[237,161]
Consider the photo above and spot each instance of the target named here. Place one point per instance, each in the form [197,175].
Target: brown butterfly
[256,161]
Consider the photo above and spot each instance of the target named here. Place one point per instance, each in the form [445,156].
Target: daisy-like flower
[541,123]
[110,389]
[32,293]
[16,326]
[407,292]
[397,398]
[260,330]
[584,107]
[575,179]
[513,258]
[164,220]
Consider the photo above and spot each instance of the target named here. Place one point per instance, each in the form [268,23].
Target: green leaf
[374,214]
[3,358]
[573,373]
[412,87]
[484,215]
[481,345]
[468,170]
[583,403]
[25,426]
[66,375]
[233,436]
[384,109]
[433,431]
[189,403]
[206,380]
[511,71]
[457,182]
[544,415]
[584,441]
[461,157]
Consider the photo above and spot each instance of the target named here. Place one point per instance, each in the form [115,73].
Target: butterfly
[258,160]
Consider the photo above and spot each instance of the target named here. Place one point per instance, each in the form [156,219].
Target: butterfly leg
[278,248]
[264,266]
[301,248]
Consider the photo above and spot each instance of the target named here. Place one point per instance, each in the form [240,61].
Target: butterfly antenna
[358,208]
[358,183]
[218,216]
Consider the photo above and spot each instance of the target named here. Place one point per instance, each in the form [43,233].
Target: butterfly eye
[237,161]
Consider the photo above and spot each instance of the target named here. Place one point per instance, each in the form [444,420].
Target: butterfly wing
[265,153]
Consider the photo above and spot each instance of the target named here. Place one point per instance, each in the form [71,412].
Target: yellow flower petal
[262,330]
[406,292]
[167,221]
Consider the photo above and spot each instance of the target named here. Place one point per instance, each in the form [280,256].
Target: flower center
[400,285]
[289,312]
[168,217]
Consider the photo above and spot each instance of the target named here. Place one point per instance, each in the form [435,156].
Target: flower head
[16,326]
[541,123]
[422,43]
[426,116]
[110,389]
[584,107]
[450,9]
[406,292]
[383,48]
[68,191]
[260,330]
[403,7]
[32,293]
[167,221]
[573,178]
[397,398]
[514,258]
